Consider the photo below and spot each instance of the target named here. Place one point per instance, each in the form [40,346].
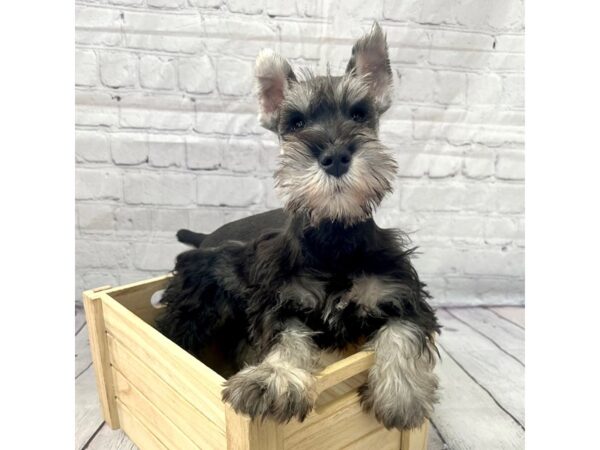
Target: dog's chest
[342,309]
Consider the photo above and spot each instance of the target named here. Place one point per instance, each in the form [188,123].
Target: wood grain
[435,441]
[188,419]
[493,369]
[136,297]
[137,431]
[340,424]
[83,356]
[88,417]
[344,369]
[515,314]
[149,415]
[94,314]
[108,439]
[180,370]
[468,417]
[504,334]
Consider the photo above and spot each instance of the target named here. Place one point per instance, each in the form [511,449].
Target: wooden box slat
[184,373]
[199,429]
[335,427]
[164,398]
[149,415]
[137,431]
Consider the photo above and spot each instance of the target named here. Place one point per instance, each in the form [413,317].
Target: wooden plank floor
[481,372]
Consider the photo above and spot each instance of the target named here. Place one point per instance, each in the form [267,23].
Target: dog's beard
[304,187]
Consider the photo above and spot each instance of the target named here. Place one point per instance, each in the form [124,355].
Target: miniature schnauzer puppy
[275,289]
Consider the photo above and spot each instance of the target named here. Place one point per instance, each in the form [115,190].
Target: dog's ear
[273,76]
[371,61]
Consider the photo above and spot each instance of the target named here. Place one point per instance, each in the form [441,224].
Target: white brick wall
[167,135]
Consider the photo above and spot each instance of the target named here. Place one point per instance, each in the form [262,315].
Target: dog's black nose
[336,163]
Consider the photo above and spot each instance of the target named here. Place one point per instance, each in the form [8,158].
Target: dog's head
[332,164]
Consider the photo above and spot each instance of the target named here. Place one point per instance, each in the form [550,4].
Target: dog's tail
[190,238]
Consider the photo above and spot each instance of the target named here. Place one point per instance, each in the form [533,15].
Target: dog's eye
[297,123]
[358,114]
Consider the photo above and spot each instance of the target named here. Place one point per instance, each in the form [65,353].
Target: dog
[275,289]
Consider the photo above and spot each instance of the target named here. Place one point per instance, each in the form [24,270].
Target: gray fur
[401,389]
[282,386]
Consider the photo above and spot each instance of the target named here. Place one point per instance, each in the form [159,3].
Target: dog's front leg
[282,385]
[401,387]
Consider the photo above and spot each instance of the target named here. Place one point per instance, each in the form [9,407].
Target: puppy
[277,288]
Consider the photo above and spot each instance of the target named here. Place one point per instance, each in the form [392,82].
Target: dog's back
[243,230]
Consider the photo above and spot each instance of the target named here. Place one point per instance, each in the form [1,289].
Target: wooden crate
[164,398]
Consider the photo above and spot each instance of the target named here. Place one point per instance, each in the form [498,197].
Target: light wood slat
[339,390]
[108,439]
[515,314]
[435,441]
[149,415]
[184,373]
[415,439]
[137,431]
[83,356]
[467,416]
[246,434]
[497,372]
[94,314]
[136,297]
[506,335]
[336,426]
[88,417]
[376,440]
[191,421]
[344,369]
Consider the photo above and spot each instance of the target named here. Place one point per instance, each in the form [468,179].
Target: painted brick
[245,7]
[178,75]
[159,189]
[170,220]
[279,8]
[204,153]
[166,4]
[214,190]
[510,166]
[95,217]
[205,220]
[416,85]
[98,185]
[450,87]
[196,75]
[118,69]
[513,90]
[129,149]
[157,72]
[443,166]
[486,89]
[101,254]
[234,76]
[479,166]
[130,219]
[86,68]
[92,146]
[156,256]
[402,11]
[242,155]
[166,151]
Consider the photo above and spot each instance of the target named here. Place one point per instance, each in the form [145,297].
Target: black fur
[245,283]
[243,230]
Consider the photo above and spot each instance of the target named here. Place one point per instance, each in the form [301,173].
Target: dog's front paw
[398,406]
[267,391]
